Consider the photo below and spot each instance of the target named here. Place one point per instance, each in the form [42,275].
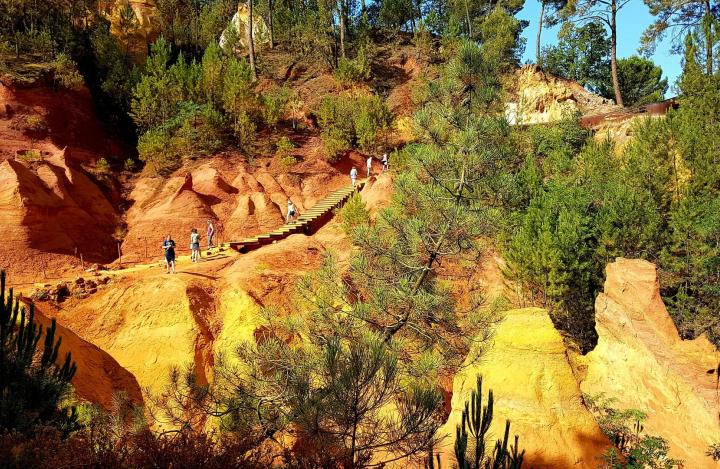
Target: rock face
[146,325]
[261,33]
[528,370]
[147,322]
[241,200]
[539,97]
[99,376]
[145,30]
[641,361]
[51,207]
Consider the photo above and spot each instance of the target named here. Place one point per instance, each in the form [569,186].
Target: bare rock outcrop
[538,97]
[261,33]
[52,207]
[243,201]
[143,31]
[528,370]
[641,361]
[99,377]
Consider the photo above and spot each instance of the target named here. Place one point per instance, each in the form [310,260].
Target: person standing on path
[194,245]
[353,175]
[385,162]
[169,247]
[369,165]
[210,233]
[291,211]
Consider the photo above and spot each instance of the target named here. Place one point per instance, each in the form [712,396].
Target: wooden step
[321,209]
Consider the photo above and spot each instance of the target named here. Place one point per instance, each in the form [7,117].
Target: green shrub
[156,151]
[349,121]
[355,70]
[200,130]
[35,123]
[353,214]
[371,118]
[275,102]
[130,165]
[66,72]
[29,155]
[102,166]
[714,451]
[288,161]
[335,144]
[624,427]
[244,130]
[282,152]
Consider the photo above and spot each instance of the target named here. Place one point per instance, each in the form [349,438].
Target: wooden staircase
[305,223]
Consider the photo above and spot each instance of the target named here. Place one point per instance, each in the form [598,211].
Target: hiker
[169,247]
[194,245]
[291,211]
[353,175]
[369,165]
[385,162]
[210,233]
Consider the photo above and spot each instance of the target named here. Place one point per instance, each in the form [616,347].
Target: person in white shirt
[369,165]
[384,162]
[291,211]
[353,175]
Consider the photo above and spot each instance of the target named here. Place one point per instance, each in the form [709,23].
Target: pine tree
[128,26]
[548,9]
[32,382]
[684,17]
[606,11]
[212,74]
[153,101]
[238,96]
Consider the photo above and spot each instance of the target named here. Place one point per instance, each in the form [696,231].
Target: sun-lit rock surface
[261,33]
[641,361]
[141,32]
[245,200]
[528,370]
[537,97]
[145,324]
[99,377]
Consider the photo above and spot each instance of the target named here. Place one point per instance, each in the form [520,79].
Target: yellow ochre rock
[537,97]
[527,368]
[641,361]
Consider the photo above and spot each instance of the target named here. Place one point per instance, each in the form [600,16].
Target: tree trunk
[613,54]
[342,28]
[708,39]
[467,17]
[270,23]
[539,32]
[249,37]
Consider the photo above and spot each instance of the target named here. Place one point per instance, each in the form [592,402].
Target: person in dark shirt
[169,247]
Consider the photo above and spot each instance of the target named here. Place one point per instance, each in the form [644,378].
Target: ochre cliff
[527,367]
[536,97]
[641,361]
[52,206]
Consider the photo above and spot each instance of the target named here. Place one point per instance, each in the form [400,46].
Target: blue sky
[632,21]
